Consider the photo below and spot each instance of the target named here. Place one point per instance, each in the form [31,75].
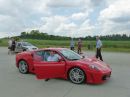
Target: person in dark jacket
[13,45]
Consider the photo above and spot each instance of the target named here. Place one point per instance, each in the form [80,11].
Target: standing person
[98,48]
[9,45]
[13,45]
[72,44]
[79,46]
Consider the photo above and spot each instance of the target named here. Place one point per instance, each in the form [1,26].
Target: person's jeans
[98,54]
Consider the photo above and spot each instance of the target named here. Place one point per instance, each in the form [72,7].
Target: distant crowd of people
[80,45]
[72,46]
[11,45]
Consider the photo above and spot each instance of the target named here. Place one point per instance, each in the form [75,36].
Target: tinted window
[39,56]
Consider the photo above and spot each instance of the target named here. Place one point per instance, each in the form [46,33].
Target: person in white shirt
[53,57]
[98,48]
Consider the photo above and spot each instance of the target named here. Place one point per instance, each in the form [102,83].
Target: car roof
[22,42]
[54,49]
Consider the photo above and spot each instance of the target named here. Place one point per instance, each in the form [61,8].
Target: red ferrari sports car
[63,63]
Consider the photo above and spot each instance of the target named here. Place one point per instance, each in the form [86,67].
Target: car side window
[46,55]
[53,57]
[38,56]
[19,45]
[41,55]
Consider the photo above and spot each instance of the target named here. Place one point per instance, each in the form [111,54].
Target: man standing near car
[98,48]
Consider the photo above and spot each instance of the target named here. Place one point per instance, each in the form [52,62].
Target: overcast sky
[75,18]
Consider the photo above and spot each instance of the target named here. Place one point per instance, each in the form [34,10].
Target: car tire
[76,75]
[23,67]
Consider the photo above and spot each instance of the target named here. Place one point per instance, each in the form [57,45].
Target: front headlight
[94,67]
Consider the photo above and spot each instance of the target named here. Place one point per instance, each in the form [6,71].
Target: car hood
[93,61]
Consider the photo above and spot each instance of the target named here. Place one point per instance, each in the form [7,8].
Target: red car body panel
[27,56]
[60,69]
[49,70]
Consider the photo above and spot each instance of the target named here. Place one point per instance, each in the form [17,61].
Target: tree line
[36,34]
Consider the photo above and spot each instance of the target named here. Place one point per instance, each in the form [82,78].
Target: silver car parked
[24,46]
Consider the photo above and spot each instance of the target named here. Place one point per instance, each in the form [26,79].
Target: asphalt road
[14,84]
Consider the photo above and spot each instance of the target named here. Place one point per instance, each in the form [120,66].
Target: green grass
[3,42]
[117,46]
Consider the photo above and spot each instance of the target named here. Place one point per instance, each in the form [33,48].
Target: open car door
[45,70]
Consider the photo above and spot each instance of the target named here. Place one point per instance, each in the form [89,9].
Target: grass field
[118,46]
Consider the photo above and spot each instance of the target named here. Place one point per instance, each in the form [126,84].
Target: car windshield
[26,44]
[70,55]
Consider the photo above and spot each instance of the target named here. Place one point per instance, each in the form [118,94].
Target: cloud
[52,23]
[18,15]
[119,10]
[61,25]
[65,17]
[65,3]
[96,3]
[116,18]
[79,16]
